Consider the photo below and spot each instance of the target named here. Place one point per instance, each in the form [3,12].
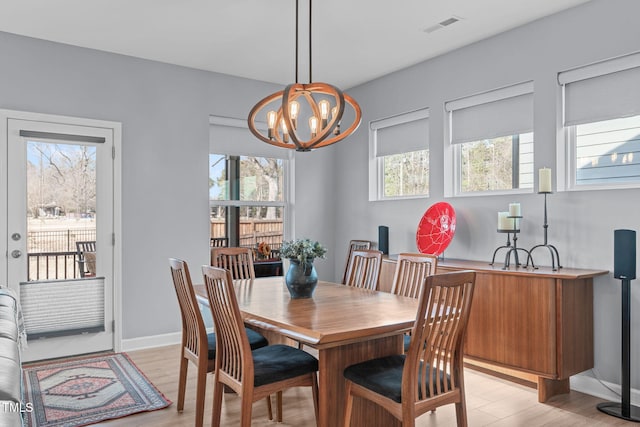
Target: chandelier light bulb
[324,111]
[294,110]
[285,132]
[334,115]
[313,126]
[271,123]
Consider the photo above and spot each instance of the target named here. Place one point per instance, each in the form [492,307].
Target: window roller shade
[500,112]
[508,116]
[239,141]
[402,138]
[602,97]
[62,136]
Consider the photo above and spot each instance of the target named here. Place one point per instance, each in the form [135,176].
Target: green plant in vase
[301,278]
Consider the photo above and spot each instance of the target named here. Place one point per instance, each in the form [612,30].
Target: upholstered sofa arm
[11,395]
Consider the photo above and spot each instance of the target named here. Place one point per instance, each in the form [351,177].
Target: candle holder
[555,257]
[512,249]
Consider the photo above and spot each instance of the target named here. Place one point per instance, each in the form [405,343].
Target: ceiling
[354,41]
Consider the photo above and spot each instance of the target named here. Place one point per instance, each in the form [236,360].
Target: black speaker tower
[383,239]
[624,262]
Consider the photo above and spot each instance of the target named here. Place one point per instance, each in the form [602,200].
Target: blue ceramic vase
[301,279]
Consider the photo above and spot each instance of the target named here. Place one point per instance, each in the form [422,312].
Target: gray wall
[164,112]
[581,223]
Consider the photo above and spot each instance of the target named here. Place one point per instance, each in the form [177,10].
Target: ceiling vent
[442,24]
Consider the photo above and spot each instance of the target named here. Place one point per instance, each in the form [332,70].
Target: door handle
[16,253]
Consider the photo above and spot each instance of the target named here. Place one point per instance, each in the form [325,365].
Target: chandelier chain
[310,35]
[297,81]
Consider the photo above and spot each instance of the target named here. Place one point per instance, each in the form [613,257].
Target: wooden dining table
[345,325]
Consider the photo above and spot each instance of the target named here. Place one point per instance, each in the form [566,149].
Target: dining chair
[198,346]
[363,270]
[354,245]
[86,253]
[219,242]
[255,374]
[411,270]
[431,373]
[239,261]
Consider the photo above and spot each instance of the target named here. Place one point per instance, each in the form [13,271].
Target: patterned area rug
[86,391]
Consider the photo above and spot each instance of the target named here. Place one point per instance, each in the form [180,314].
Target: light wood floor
[490,402]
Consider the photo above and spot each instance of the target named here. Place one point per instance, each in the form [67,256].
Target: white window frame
[376,167]
[452,167]
[566,147]
[288,191]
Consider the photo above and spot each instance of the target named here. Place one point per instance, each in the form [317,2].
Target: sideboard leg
[548,388]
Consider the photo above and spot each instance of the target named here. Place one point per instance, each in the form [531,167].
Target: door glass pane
[61,211]
[61,242]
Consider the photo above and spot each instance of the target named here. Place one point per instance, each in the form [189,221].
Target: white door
[60,233]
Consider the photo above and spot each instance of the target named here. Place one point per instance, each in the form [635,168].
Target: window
[399,156]
[496,164]
[601,118]
[246,199]
[248,194]
[491,141]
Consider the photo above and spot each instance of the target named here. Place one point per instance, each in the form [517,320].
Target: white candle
[544,180]
[514,209]
[504,223]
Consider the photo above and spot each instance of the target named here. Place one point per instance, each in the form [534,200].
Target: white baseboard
[142,343]
[594,387]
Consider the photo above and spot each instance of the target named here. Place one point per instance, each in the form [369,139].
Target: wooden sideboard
[531,324]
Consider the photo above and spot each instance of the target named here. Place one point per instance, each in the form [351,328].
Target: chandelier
[322,104]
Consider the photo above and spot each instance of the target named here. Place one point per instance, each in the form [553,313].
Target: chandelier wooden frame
[328,132]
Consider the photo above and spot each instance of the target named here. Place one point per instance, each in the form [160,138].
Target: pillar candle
[544,180]
[504,223]
[514,209]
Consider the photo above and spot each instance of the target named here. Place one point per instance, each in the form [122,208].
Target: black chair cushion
[255,341]
[384,376]
[280,362]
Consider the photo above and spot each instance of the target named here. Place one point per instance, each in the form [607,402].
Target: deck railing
[53,266]
[252,232]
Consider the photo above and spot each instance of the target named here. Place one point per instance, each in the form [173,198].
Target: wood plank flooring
[490,402]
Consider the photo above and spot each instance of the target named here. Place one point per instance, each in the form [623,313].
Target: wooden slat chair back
[194,346]
[239,261]
[252,375]
[219,242]
[411,270]
[354,245]
[431,372]
[364,269]
[86,251]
